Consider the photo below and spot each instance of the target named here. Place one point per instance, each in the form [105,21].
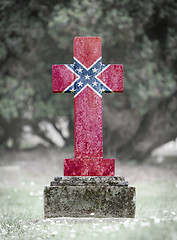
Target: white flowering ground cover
[21,204]
[21,216]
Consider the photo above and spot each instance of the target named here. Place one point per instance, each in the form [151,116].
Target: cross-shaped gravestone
[103,195]
[88,78]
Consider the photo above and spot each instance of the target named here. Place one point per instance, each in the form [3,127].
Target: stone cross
[88,78]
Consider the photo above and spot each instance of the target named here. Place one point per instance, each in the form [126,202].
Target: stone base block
[89,197]
[89,167]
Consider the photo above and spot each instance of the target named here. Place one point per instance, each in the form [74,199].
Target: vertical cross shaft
[88,104]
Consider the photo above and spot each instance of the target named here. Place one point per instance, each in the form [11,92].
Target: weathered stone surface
[91,197]
[89,167]
[85,180]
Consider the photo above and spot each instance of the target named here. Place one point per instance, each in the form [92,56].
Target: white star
[72,90]
[80,84]
[103,89]
[79,70]
[95,83]
[87,77]
[95,70]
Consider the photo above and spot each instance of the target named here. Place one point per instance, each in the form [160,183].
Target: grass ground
[21,203]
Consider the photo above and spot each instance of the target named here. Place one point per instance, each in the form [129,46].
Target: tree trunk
[155,128]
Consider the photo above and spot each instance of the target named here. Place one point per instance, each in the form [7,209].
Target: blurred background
[37,126]
[141,35]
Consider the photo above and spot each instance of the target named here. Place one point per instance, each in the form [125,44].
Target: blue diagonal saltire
[87,77]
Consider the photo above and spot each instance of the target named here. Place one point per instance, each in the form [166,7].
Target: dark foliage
[139,34]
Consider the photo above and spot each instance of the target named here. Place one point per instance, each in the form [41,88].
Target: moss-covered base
[89,200]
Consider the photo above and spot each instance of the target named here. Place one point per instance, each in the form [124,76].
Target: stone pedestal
[89,197]
[89,167]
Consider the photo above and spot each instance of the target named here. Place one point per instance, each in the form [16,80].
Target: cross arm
[62,76]
[113,77]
